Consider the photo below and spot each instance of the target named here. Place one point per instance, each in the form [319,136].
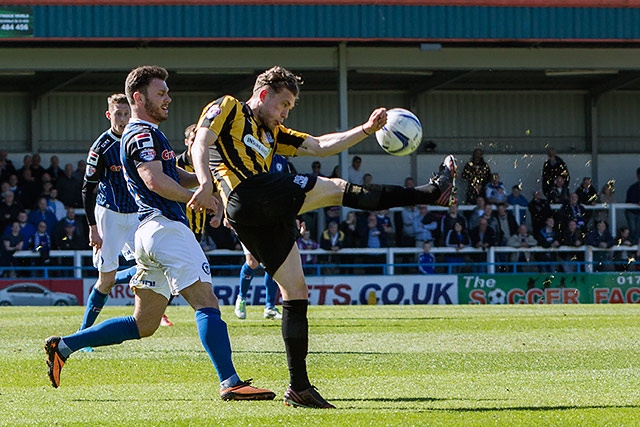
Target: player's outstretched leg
[440,190]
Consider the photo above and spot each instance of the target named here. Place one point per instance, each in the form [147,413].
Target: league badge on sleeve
[148,154]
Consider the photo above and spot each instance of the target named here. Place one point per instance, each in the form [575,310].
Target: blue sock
[94,305]
[271,291]
[215,340]
[123,276]
[246,276]
[109,332]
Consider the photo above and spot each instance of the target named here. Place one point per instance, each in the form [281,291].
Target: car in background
[28,293]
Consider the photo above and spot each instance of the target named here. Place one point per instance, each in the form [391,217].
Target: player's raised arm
[334,143]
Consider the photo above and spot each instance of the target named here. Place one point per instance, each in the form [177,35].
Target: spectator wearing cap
[633,214]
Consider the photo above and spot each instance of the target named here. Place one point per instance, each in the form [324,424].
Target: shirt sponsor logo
[148,154]
[253,143]
[92,158]
[213,112]
[115,168]
[143,140]
[168,154]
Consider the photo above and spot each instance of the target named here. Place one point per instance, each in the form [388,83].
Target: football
[402,134]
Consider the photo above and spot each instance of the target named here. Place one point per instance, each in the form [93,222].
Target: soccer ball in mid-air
[402,134]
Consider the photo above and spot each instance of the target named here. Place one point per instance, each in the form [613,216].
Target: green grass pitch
[545,365]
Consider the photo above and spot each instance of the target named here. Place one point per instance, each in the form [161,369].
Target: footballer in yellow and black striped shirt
[236,140]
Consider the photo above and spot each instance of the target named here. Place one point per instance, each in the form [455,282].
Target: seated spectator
[495,191]
[42,244]
[367,179]
[516,198]
[55,205]
[78,223]
[507,225]
[9,209]
[448,221]
[457,238]
[601,238]
[426,260]
[575,211]
[540,210]
[522,240]
[426,226]
[376,237]
[12,241]
[332,214]
[573,237]
[316,167]
[70,239]
[36,168]
[622,259]
[548,238]
[482,237]
[305,242]
[332,239]
[42,213]
[349,227]
[27,230]
[587,194]
[559,193]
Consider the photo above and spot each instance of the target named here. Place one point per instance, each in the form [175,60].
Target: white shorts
[117,231]
[168,257]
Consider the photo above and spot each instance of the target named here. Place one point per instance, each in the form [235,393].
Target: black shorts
[263,210]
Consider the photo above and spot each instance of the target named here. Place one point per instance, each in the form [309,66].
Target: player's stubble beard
[155,112]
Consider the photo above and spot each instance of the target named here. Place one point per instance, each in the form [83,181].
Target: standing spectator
[495,191]
[80,169]
[548,238]
[356,175]
[587,194]
[54,170]
[492,221]
[12,241]
[540,210]
[571,236]
[6,166]
[477,212]
[522,240]
[384,222]
[9,209]
[29,189]
[332,239]
[426,226]
[316,167]
[41,213]
[55,205]
[376,236]
[410,214]
[305,242]
[633,214]
[349,227]
[622,259]
[36,167]
[553,167]
[70,187]
[516,198]
[606,197]
[507,225]
[426,260]
[600,238]
[477,174]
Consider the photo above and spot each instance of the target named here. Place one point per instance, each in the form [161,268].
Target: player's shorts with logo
[263,210]
[117,231]
[168,257]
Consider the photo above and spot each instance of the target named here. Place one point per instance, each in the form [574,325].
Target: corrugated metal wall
[499,122]
[330,21]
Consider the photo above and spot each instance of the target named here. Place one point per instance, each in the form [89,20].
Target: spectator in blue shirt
[517,199]
[426,260]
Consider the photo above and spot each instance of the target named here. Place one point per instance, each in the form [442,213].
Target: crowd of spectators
[37,213]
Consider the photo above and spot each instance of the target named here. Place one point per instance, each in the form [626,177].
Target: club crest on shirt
[92,158]
[205,268]
[253,143]
[213,112]
[148,154]
[143,140]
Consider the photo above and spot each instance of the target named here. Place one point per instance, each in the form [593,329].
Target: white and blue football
[402,134]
